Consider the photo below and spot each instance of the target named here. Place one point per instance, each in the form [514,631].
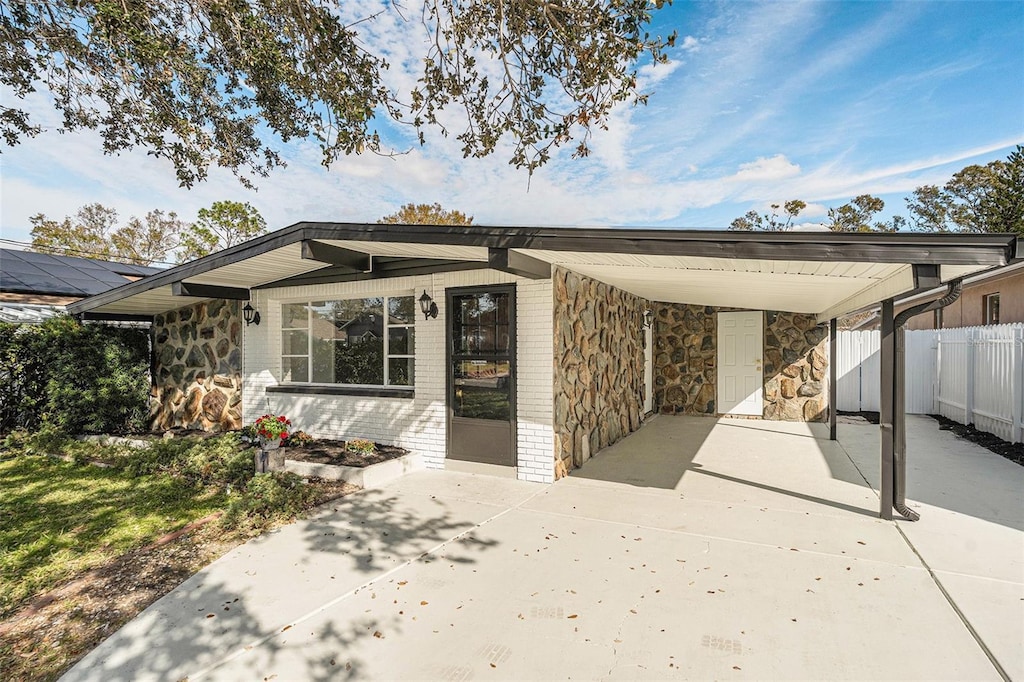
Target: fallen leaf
[575,615]
[423,603]
[632,610]
[859,542]
[736,667]
[378,634]
[403,582]
[211,615]
[286,627]
[493,666]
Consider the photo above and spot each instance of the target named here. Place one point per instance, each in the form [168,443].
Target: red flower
[284,435]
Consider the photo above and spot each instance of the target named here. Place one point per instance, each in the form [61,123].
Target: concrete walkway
[695,549]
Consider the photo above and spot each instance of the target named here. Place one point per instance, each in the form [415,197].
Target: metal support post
[833,393]
[888,402]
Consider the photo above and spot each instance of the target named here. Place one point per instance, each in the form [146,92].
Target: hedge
[73,377]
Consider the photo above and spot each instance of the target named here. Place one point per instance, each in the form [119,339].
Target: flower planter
[372,476]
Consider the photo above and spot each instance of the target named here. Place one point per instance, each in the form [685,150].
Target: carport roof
[822,273]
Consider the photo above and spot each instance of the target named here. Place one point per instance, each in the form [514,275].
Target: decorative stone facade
[795,368]
[686,357]
[598,363]
[198,367]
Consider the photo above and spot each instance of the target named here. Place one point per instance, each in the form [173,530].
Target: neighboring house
[995,296]
[992,297]
[35,286]
[528,348]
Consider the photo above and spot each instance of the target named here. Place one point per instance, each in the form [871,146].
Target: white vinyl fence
[972,375]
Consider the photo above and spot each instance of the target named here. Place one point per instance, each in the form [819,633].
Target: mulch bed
[1011,451]
[334,452]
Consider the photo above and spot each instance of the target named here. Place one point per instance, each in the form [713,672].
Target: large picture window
[357,341]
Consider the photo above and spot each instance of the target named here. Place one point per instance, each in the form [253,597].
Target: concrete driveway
[694,549]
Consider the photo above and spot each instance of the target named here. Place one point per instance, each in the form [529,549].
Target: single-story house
[529,348]
[35,286]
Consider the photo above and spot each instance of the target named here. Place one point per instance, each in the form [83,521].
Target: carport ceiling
[826,274]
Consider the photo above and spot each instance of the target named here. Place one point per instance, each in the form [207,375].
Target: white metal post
[969,387]
[1017,409]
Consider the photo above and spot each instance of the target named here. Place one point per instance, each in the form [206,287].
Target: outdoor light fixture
[250,315]
[427,306]
[648,319]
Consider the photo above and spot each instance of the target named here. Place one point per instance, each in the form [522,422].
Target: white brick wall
[418,423]
[535,388]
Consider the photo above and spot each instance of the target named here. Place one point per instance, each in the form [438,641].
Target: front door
[481,375]
[740,377]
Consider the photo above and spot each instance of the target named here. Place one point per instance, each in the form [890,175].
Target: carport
[823,275]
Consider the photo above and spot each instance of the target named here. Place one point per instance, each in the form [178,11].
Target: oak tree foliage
[96,232]
[426,214]
[224,82]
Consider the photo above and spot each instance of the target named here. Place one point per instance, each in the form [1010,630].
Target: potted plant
[272,429]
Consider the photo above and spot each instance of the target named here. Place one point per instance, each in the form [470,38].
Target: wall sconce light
[250,315]
[427,306]
[648,319]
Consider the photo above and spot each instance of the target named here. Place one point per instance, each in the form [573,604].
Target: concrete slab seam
[956,609]
[323,607]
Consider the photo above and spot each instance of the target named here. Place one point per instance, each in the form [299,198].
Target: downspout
[899,471]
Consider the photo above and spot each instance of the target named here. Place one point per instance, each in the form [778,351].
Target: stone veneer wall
[795,367]
[686,357]
[598,365]
[198,367]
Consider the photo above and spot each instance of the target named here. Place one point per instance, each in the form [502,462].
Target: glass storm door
[481,375]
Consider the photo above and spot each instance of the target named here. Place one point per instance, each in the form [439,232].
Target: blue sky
[762,102]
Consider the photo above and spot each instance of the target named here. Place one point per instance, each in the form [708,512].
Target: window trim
[380,390]
[986,308]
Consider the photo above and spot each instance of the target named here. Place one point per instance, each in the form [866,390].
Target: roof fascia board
[116,317]
[973,249]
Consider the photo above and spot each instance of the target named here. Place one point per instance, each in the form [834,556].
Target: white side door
[648,368]
[740,377]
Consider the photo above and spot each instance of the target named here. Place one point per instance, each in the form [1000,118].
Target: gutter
[899,418]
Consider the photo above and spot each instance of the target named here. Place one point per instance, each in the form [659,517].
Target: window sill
[364,391]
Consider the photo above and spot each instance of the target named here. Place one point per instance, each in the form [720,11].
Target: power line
[70,251]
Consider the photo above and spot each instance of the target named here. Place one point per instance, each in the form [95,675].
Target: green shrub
[78,378]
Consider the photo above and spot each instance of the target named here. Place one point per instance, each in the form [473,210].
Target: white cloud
[772,168]
[690,44]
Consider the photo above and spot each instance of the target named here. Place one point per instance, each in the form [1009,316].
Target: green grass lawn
[58,519]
